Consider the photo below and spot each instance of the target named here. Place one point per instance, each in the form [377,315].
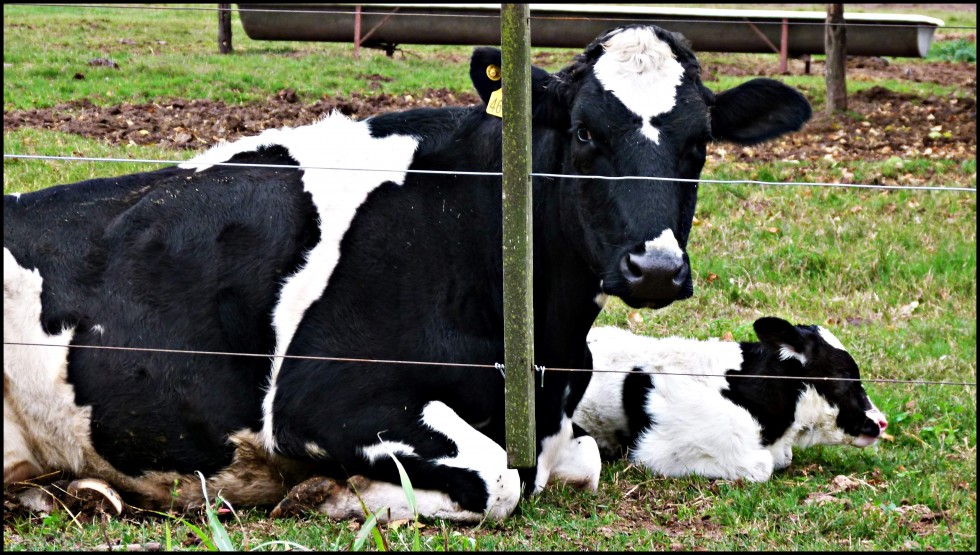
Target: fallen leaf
[906,310]
[843,483]
[822,498]
[396,524]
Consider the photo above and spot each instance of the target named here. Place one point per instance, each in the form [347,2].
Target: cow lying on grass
[709,421]
[384,246]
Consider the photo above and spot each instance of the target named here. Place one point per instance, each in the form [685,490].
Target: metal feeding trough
[788,33]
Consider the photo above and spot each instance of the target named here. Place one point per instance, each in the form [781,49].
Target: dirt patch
[194,124]
[887,124]
[883,123]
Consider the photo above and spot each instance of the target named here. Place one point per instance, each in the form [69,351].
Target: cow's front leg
[457,472]
[564,458]
[579,464]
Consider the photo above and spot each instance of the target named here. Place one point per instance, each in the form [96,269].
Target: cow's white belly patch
[347,147]
[43,427]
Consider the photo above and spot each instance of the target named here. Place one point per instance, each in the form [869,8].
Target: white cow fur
[643,73]
[334,143]
[696,429]
[42,426]
[475,451]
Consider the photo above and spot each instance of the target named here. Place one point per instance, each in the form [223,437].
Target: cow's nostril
[631,269]
[883,424]
[682,275]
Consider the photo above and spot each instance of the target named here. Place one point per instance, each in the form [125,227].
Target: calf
[707,419]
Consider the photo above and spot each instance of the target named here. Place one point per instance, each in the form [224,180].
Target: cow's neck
[565,287]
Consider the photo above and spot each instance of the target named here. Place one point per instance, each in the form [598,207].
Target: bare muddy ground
[889,123]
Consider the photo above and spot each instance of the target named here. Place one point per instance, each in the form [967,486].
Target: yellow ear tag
[495,106]
[493,72]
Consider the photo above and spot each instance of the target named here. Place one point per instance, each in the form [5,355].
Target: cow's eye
[583,135]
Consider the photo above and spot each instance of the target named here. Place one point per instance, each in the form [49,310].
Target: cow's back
[170,259]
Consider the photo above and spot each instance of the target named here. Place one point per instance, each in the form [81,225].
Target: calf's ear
[758,110]
[778,334]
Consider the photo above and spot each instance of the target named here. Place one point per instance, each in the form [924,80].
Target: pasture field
[891,272]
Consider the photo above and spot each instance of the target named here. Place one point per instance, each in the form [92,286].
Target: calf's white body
[675,405]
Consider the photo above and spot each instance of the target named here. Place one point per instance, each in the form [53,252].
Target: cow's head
[828,412]
[633,105]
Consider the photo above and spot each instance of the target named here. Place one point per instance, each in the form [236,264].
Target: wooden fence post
[224,28]
[835,45]
[518,245]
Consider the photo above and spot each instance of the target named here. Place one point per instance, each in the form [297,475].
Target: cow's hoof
[306,497]
[93,494]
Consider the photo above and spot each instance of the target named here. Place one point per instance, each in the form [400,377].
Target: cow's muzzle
[655,278]
[874,426]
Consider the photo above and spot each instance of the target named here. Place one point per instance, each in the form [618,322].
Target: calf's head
[835,411]
[633,104]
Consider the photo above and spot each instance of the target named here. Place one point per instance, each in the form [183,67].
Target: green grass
[23,175]
[173,54]
[892,273]
[960,50]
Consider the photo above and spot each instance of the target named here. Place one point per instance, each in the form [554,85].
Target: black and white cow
[706,419]
[356,257]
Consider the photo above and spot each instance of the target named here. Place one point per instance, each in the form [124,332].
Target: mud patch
[881,123]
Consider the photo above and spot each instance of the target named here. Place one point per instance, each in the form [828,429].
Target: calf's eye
[583,135]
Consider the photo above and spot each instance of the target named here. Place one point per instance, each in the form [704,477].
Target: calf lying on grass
[711,422]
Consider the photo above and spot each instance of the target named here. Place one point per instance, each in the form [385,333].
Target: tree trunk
[835,45]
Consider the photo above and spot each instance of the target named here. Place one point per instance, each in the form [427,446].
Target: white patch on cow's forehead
[830,339]
[347,148]
[643,73]
[665,243]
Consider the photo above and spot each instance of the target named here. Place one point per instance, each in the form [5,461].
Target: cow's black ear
[778,334]
[758,110]
[485,71]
